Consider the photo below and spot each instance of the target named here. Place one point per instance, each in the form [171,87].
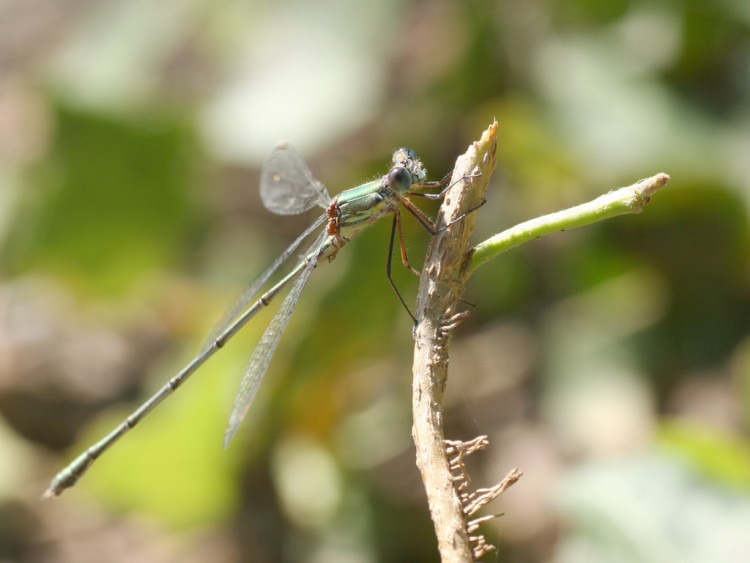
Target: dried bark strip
[441,287]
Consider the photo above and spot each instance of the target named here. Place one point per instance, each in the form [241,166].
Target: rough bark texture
[440,291]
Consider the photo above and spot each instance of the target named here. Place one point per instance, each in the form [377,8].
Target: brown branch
[450,261]
[440,289]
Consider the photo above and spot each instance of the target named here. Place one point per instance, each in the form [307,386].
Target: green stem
[622,201]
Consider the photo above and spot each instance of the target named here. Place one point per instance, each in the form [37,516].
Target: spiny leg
[404,256]
[435,184]
[426,222]
[419,215]
[396,225]
[461,217]
[442,184]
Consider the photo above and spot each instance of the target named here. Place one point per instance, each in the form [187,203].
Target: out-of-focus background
[610,364]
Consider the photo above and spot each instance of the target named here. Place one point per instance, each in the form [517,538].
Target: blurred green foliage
[112,201]
[722,458]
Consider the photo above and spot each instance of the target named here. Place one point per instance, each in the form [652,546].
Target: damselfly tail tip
[51,492]
[228,435]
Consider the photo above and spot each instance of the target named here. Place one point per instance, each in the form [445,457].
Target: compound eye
[399,179]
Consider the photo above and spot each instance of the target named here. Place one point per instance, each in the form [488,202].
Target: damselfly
[288,187]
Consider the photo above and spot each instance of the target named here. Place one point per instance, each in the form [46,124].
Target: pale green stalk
[622,201]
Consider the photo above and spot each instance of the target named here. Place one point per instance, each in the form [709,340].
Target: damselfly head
[407,158]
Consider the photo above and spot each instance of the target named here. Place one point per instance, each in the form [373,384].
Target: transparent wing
[287,187]
[265,349]
[248,294]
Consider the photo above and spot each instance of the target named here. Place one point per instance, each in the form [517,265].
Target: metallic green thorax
[355,209]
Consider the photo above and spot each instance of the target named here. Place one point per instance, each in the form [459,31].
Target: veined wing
[248,294]
[287,187]
[263,352]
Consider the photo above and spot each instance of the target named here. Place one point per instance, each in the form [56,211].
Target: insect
[288,187]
